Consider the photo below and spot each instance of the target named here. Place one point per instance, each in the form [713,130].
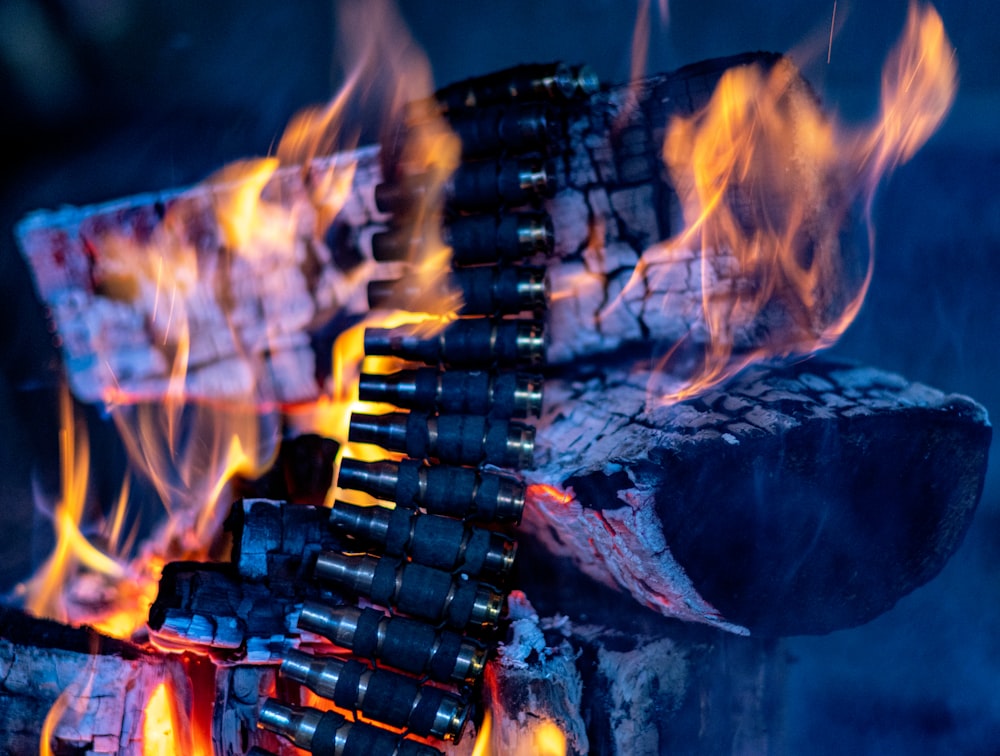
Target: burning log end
[802,499]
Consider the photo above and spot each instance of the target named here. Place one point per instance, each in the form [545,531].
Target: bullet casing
[414,589]
[440,489]
[379,694]
[451,439]
[513,128]
[440,542]
[490,290]
[537,81]
[330,734]
[400,642]
[475,239]
[476,185]
[467,342]
[500,394]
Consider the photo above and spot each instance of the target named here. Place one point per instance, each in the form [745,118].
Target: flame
[919,81]
[482,744]
[256,212]
[766,183]
[161,733]
[530,738]
[52,719]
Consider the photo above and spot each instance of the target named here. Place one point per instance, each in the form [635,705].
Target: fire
[189,436]
[161,733]
[767,183]
[541,738]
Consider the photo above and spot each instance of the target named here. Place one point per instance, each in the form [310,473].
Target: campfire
[508,434]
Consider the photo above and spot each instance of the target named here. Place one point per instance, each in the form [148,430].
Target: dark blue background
[104,98]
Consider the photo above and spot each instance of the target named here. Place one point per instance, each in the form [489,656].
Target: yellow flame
[160,731]
[52,719]
[766,184]
[919,81]
[531,737]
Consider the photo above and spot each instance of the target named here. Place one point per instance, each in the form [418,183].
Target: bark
[799,499]
[102,687]
[657,687]
[127,281]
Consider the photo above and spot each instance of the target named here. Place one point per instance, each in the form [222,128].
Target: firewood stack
[795,498]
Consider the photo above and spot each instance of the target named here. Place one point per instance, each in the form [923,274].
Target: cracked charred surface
[104,684]
[656,687]
[796,499]
[247,611]
[261,320]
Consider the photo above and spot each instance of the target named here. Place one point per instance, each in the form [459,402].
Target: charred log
[800,499]
[658,687]
[210,609]
[99,687]
[96,268]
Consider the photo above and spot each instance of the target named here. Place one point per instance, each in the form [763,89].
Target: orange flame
[529,738]
[766,183]
[161,731]
[258,212]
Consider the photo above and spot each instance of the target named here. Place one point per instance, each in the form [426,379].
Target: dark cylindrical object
[476,239]
[475,392]
[326,733]
[514,128]
[399,642]
[477,185]
[537,81]
[490,290]
[486,184]
[379,694]
[413,589]
[439,489]
[440,542]
[451,439]
[467,342]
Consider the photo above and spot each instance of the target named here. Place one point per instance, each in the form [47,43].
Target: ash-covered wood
[239,691]
[796,499]
[643,685]
[246,610]
[134,283]
[210,609]
[101,686]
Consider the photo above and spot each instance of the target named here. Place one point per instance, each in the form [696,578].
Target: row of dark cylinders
[434,561]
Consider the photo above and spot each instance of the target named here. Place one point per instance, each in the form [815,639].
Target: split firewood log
[134,283]
[96,688]
[796,499]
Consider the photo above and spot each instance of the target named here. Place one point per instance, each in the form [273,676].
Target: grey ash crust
[801,499]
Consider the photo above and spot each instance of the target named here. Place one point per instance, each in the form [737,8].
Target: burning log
[247,609]
[800,499]
[258,318]
[98,692]
[563,686]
